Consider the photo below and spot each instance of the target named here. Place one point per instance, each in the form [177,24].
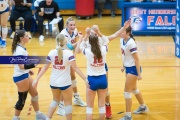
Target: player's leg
[34,100]
[77,98]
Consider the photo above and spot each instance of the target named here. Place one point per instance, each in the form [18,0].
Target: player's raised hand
[127,24]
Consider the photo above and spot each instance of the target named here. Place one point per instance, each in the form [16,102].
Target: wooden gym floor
[160,85]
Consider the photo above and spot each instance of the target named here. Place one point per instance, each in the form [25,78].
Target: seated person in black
[22,8]
[49,10]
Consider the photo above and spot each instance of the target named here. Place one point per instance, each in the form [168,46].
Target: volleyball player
[60,80]
[21,77]
[71,34]
[131,65]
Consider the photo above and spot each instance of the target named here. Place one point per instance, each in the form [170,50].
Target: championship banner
[177,34]
[151,19]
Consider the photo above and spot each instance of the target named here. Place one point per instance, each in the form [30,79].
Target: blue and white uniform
[20,74]
[71,39]
[4,6]
[95,68]
[127,50]
[60,75]
[102,41]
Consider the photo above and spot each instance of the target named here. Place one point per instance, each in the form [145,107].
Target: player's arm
[119,32]
[137,63]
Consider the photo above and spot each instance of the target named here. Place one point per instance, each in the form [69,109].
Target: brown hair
[129,30]
[60,41]
[95,47]
[16,40]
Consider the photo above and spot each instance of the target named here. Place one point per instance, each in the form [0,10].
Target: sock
[142,105]
[37,112]
[61,102]
[15,117]
[107,104]
[76,94]
[128,114]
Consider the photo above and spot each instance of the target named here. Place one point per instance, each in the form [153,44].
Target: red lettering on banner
[150,19]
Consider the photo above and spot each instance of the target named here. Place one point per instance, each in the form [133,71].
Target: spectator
[21,9]
[49,10]
[101,6]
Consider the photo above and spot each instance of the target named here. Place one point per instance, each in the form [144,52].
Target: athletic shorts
[61,88]
[22,77]
[97,82]
[132,70]
[6,10]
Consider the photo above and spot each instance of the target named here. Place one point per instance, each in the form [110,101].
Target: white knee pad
[35,98]
[102,110]
[127,95]
[89,110]
[68,109]
[135,92]
[107,93]
[4,30]
[54,104]
[74,83]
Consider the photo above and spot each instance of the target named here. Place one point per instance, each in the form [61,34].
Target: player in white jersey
[132,67]
[96,59]
[95,30]
[4,14]
[71,34]
[22,78]
[60,80]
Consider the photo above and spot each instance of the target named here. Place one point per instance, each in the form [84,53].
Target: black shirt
[19,6]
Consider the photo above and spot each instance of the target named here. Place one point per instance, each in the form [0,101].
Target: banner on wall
[177,34]
[151,19]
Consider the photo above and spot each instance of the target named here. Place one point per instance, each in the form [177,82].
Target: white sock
[107,104]
[128,114]
[76,94]
[142,105]
[37,112]
[15,117]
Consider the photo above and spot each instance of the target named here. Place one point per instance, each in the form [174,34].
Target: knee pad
[35,98]
[4,30]
[54,104]
[68,109]
[107,93]
[127,95]
[74,83]
[89,110]
[21,101]
[135,92]
[102,110]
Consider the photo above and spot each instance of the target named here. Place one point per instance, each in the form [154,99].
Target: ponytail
[132,36]
[60,41]
[16,40]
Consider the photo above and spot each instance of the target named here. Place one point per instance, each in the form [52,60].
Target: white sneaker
[141,110]
[41,38]
[29,35]
[79,101]
[40,116]
[12,35]
[61,110]
[16,118]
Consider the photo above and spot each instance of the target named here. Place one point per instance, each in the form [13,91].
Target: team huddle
[94,46]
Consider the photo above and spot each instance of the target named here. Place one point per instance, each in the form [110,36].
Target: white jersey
[127,50]
[70,38]
[60,75]
[20,51]
[3,5]
[94,67]
[102,41]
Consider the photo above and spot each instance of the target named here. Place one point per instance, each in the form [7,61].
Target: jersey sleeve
[132,47]
[71,56]
[83,46]
[49,57]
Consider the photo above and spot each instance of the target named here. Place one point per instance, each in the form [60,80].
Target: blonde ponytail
[60,41]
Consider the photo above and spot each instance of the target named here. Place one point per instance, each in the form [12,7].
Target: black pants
[15,14]
[102,2]
[41,19]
